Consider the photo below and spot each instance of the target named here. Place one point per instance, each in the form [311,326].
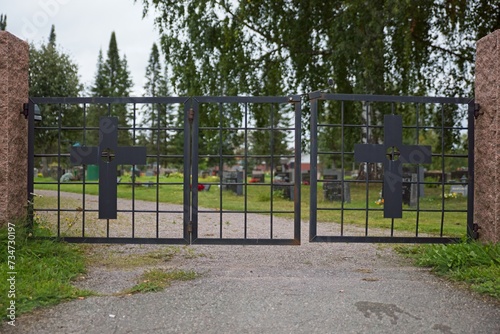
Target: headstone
[283,181]
[306,177]
[332,186]
[410,189]
[258,176]
[459,189]
[233,181]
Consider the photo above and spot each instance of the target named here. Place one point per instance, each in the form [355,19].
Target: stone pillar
[14,63]
[487,139]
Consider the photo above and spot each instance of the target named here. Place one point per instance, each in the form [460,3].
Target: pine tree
[3,22]
[112,79]
[160,119]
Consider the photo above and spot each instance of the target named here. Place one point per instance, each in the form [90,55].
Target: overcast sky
[85,26]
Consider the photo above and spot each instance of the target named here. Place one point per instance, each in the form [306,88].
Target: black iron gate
[385,168]
[122,149]
[192,170]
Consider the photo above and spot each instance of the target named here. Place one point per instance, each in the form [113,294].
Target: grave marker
[332,187]
[230,177]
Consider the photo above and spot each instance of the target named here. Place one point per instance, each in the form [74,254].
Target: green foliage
[471,262]
[45,269]
[286,47]
[156,280]
[112,79]
[3,22]
[160,119]
[53,73]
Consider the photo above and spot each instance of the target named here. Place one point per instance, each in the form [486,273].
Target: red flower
[201,187]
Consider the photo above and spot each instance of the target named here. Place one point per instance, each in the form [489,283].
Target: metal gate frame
[315,98]
[191,158]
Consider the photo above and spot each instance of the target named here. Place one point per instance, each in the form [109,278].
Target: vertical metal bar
[442,170]
[84,168]
[158,138]
[133,172]
[297,169]
[417,116]
[392,151]
[107,220]
[187,170]
[313,213]
[31,161]
[221,167]
[245,223]
[272,169]
[471,169]
[59,125]
[194,168]
[342,157]
[367,173]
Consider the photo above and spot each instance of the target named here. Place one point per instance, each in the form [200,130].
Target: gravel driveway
[312,288]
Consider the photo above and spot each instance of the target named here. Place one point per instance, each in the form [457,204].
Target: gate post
[487,138]
[14,64]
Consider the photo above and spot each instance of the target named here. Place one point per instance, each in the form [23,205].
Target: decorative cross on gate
[108,155]
[393,154]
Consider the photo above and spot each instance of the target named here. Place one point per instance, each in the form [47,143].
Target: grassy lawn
[44,270]
[260,197]
[473,263]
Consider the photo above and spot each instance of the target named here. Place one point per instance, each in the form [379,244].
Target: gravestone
[283,181]
[258,176]
[233,181]
[410,189]
[306,177]
[459,189]
[332,186]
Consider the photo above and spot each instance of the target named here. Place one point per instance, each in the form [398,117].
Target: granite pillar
[487,138]
[14,63]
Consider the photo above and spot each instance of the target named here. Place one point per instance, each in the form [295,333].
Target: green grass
[122,260]
[44,270]
[156,280]
[476,264]
[261,197]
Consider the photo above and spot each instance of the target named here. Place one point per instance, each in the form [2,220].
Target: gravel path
[312,288]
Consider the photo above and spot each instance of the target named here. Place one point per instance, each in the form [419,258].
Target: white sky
[83,27]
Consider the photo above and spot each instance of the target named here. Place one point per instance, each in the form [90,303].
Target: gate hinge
[191,115]
[190,227]
[477,110]
[26,112]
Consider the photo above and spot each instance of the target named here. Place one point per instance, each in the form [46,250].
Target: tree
[387,47]
[3,22]
[160,119]
[53,73]
[112,79]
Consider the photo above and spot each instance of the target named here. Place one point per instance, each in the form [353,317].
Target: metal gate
[184,170]
[115,151]
[388,141]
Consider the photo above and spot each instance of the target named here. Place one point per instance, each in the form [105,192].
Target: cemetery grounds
[259,198]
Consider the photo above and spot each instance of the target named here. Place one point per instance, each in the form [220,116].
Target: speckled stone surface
[14,63]
[487,139]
